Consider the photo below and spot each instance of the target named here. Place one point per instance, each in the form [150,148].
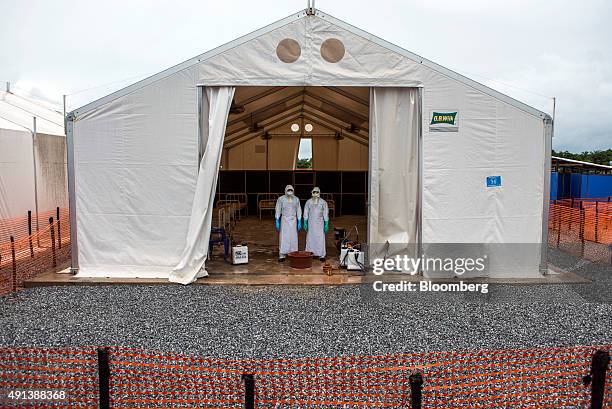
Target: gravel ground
[278,321]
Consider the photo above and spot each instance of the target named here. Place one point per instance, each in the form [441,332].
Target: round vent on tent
[332,50]
[288,50]
[308,127]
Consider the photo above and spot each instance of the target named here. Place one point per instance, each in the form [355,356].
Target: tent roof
[256,110]
[332,20]
[17,113]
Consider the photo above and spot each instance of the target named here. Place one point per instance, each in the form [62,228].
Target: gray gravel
[277,321]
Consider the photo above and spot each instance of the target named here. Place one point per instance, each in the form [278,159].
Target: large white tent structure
[32,159]
[449,160]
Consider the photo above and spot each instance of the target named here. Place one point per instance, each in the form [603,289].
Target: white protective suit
[290,212]
[316,214]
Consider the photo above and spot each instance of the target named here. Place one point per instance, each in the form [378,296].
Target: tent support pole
[420,178]
[548,135]
[200,90]
[35,178]
[74,247]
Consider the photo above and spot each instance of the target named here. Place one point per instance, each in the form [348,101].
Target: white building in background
[32,160]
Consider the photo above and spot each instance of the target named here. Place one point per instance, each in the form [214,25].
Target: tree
[304,163]
[599,157]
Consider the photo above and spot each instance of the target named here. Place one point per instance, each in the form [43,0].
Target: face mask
[315,194]
[289,192]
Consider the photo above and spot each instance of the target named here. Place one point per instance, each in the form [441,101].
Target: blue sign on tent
[493,181]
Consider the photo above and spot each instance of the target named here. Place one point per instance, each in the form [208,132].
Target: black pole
[30,233]
[52,240]
[59,230]
[14,263]
[249,391]
[596,221]
[582,226]
[104,378]
[599,366]
[416,390]
[558,210]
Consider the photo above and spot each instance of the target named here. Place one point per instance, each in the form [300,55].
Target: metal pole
[30,233]
[596,221]
[64,99]
[52,230]
[416,391]
[14,264]
[35,179]
[554,109]
[59,230]
[597,378]
[249,391]
[103,378]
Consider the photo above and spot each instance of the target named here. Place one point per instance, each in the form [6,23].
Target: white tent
[32,159]
[450,160]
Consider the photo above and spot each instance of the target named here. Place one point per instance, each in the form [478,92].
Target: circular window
[308,127]
[288,50]
[295,127]
[332,50]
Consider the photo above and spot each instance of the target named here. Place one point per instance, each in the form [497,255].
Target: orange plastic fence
[582,227]
[18,227]
[527,378]
[29,256]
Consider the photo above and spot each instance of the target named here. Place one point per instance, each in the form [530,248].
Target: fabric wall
[216,102]
[394,176]
[492,138]
[52,179]
[136,163]
[16,173]
[331,154]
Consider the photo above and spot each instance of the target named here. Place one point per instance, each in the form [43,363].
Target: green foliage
[304,163]
[599,157]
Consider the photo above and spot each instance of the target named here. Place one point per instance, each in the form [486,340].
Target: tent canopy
[259,134]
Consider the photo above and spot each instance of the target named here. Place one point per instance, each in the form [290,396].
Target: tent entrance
[265,129]
[365,155]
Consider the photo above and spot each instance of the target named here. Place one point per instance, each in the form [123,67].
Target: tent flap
[394,180]
[216,101]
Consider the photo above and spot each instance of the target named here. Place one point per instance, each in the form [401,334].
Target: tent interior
[270,135]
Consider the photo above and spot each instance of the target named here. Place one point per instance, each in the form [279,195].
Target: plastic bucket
[300,259]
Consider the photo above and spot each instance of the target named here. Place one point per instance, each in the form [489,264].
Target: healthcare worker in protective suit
[288,216]
[316,223]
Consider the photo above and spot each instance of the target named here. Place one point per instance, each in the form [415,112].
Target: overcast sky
[531,50]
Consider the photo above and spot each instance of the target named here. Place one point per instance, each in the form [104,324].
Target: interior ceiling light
[308,127]
[295,127]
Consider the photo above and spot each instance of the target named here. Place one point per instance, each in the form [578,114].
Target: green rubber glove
[305,224]
[326,226]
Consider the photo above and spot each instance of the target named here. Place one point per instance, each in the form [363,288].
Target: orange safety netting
[582,227]
[519,378]
[29,256]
